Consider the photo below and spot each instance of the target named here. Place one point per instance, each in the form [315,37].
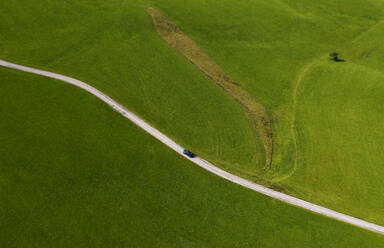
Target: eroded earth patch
[256,112]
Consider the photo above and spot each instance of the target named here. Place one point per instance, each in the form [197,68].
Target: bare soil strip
[256,112]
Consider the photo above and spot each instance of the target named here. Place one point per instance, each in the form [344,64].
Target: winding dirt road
[199,161]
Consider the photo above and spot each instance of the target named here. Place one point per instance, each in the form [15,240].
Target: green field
[327,117]
[342,140]
[115,48]
[77,174]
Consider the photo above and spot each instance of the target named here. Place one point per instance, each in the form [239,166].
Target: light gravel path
[199,161]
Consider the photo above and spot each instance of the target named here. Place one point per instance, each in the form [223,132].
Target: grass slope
[270,47]
[341,133]
[186,47]
[77,174]
[113,46]
[263,45]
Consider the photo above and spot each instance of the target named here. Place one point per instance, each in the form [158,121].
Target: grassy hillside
[271,48]
[265,45]
[113,46]
[340,129]
[341,138]
[77,174]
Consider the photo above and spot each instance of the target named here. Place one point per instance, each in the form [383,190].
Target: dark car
[189,153]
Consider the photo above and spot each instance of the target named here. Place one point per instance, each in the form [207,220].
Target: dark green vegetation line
[77,174]
[263,45]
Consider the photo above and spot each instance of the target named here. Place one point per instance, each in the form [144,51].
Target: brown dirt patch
[256,112]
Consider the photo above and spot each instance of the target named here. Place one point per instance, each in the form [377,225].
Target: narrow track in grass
[199,161]
[296,86]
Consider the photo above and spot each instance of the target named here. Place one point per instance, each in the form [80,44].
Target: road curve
[199,161]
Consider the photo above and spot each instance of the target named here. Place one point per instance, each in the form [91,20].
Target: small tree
[334,56]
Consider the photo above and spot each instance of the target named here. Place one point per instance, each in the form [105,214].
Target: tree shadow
[335,57]
[339,60]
